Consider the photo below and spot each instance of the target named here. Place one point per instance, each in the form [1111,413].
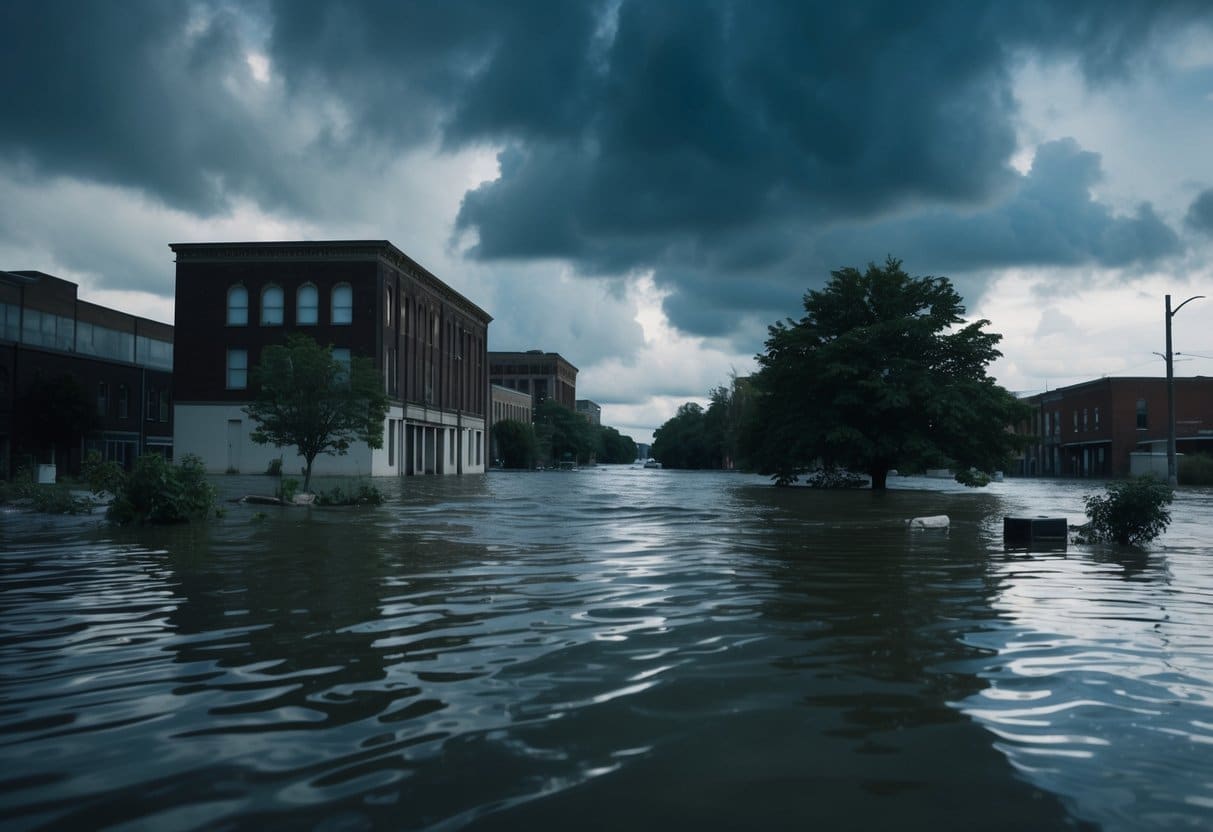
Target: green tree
[683,441]
[613,447]
[881,372]
[308,399]
[563,434]
[515,443]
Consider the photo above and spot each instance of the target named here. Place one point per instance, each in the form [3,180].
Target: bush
[1195,469]
[274,469]
[1131,513]
[42,498]
[835,478]
[159,492]
[365,495]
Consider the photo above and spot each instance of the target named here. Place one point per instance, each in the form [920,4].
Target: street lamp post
[1172,478]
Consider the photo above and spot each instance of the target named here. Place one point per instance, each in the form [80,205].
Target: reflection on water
[611,648]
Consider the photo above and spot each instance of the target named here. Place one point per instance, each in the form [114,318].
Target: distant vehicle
[651,463]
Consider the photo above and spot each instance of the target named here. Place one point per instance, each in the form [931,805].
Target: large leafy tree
[882,372]
[310,400]
[563,434]
[515,443]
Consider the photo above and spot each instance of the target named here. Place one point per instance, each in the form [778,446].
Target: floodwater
[613,648]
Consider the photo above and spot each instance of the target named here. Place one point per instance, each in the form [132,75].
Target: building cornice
[328,250]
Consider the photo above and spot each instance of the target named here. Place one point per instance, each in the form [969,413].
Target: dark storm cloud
[732,148]
[133,94]
[1200,213]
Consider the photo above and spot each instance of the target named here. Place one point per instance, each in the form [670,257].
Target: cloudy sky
[640,186]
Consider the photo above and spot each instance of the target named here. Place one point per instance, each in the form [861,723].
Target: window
[124,401]
[271,306]
[1143,420]
[1076,421]
[153,404]
[307,305]
[164,405]
[391,442]
[103,398]
[237,306]
[1097,418]
[237,371]
[387,307]
[343,304]
[1084,418]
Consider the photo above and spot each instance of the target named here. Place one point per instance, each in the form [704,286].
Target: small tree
[1131,513]
[515,443]
[308,399]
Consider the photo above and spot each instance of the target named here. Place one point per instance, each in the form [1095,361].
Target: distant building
[590,410]
[1090,429]
[511,404]
[54,347]
[544,375]
[362,297]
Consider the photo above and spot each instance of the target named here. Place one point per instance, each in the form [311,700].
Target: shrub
[973,478]
[159,492]
[835,478]
[275,467]
[365,495]
[1131,513]
[287,489]
[43,498]
[1196,469]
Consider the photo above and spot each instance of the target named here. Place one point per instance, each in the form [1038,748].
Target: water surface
[609,648]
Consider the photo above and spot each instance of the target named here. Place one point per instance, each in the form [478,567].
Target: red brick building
[59,353]
[362,297]
[1090,429]
[545,375]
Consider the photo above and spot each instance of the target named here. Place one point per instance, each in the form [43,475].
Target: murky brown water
[606,649]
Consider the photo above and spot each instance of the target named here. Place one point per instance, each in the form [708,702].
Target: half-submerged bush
[155,491]
[54,498]
[1131,513]
[835,478]
[364,495]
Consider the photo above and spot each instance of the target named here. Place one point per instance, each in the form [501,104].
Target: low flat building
[361,297]
[1090,429]
[78,377]
[544,375]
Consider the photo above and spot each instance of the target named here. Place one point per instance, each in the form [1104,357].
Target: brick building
[59,354]
[545,375]
[1090,429]
[362,297]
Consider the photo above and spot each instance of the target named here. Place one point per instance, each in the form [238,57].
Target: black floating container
[1050,532]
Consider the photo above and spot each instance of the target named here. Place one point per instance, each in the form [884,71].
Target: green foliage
[613,447]
[274,469]
[516,444]
[44,498]
[834,478]
[973,478]
[363,495]
[102,476]
[881,372]
[562,434]
[1195,469]
[309,400]
[157,492]
[683,441]
[287,489]
[1131,513]
[696,438]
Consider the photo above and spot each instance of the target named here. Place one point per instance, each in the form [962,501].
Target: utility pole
[1172,477]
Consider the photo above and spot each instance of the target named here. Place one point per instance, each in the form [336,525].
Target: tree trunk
[880,476]
[307,476]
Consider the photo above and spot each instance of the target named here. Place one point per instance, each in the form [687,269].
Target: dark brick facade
[1090,429]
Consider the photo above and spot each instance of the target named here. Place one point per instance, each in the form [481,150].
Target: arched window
[307,305]
[387,307]
[343,304]
[271,306]
[237,306]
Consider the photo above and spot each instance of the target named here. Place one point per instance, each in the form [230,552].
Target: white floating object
[936,521]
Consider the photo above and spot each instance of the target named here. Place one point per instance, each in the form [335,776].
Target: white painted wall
[203,430]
